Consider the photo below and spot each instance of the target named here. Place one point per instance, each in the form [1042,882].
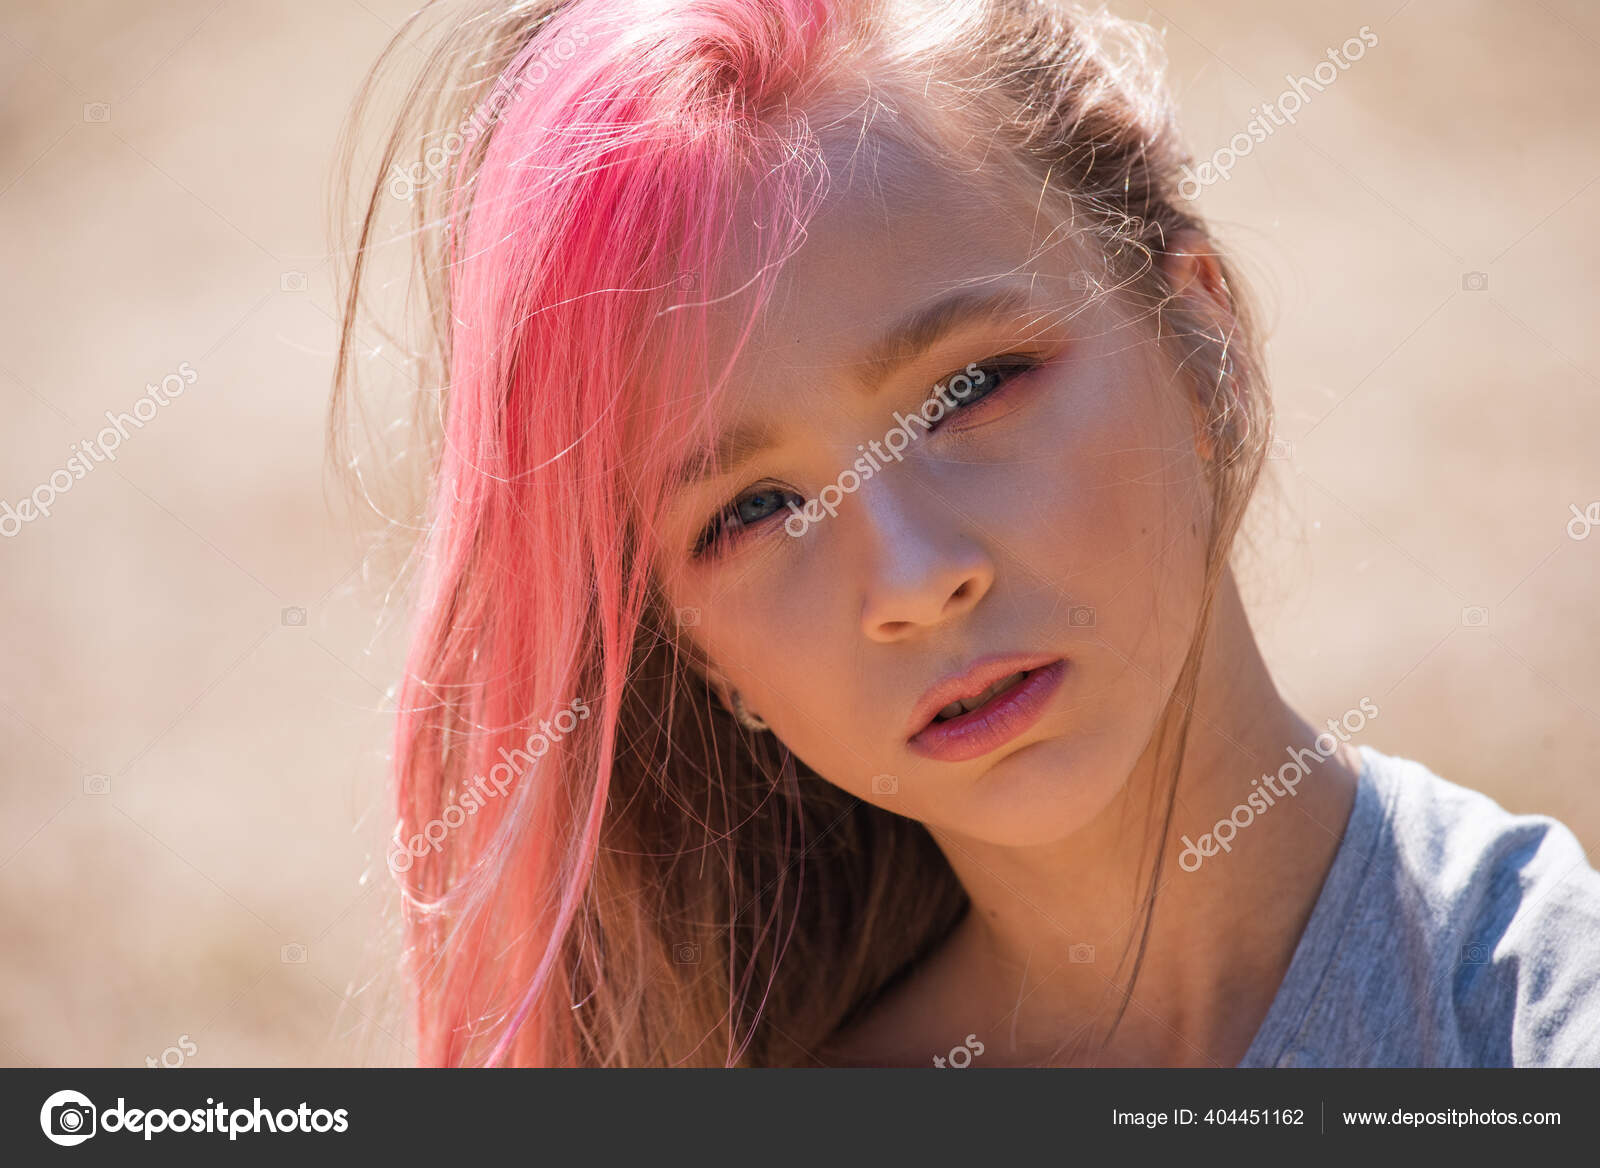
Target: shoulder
[1475,937]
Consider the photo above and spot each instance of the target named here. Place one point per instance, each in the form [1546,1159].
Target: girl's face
[1051,521]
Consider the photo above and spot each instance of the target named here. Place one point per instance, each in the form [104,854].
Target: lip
[973,680]
[996,722]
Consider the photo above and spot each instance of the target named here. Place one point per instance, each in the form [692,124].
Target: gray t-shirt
[1449,933]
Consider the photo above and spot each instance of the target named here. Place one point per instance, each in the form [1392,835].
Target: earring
[746,719]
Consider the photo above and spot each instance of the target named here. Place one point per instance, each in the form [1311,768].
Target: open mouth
[970,727]
[966,705]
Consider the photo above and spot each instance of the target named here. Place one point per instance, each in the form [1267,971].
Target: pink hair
[605,189]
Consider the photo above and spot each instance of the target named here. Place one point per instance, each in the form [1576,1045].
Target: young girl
[825,645]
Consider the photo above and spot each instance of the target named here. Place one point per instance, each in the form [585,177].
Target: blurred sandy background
[192,776]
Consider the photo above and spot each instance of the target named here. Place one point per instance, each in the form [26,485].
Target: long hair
[598,865]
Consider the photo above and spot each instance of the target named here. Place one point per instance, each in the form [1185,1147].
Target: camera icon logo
[885,785]
[67,1118]
[294,617]
[688,617]
[1081,954]
[1475,282]
[292,282]
[97,784]
[1280,449]
[292,954]
[1080,616]
[97,111]
[1475,616]
[688,281]
[1475,954]
[686,953]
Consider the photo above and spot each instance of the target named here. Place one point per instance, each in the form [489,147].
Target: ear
[1198,285]
[1190,263]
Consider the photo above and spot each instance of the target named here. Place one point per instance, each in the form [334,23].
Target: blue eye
[978,382]
[746,511]
[966,388]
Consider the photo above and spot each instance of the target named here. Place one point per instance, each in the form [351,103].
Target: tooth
[967,705]
[1003,684]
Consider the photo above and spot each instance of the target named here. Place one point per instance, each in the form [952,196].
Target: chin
[1041,793]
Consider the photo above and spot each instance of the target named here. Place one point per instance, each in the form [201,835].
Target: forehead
[898,227]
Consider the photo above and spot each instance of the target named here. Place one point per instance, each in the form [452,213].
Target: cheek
[1111,518]
[1097,486]
[1149,538]
[783,648]
[778,641]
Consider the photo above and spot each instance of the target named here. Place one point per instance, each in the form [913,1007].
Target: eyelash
[725,529]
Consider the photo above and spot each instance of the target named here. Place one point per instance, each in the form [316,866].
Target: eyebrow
[923,328]
[905,341]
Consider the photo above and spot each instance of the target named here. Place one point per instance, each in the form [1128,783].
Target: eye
[979,382]
[746,511]
[960,391]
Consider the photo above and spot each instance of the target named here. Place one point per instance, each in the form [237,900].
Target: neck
[1221,935]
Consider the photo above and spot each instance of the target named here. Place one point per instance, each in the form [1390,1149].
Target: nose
[922,565]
